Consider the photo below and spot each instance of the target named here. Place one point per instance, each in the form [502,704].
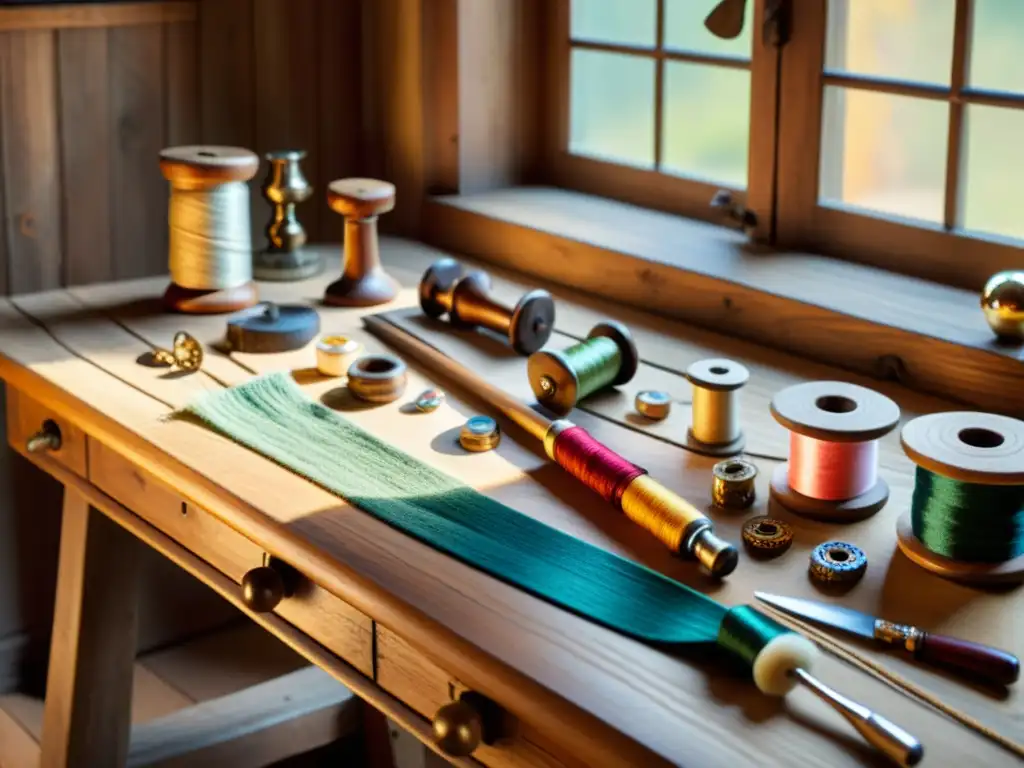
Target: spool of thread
[832,472]
[966,520]
[210,240]
[715,428]
[606,358]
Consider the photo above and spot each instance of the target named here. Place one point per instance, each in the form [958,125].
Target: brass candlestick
[284,258]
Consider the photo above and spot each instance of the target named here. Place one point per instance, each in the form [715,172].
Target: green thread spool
[967,521]
[606,358]
[966,518]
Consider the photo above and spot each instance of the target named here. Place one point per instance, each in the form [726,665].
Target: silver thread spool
[715,424]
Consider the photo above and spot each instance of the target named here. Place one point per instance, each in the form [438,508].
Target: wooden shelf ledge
[71,16]
[932,338]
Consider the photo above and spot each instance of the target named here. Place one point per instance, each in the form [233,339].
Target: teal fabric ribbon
[272,416]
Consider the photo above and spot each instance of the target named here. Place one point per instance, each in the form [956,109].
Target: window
[885,131]
[653,107]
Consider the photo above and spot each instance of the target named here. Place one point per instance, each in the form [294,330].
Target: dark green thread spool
[606,358]
[968,522]
[966,517]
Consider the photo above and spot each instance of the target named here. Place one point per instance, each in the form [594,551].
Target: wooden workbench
[402,625]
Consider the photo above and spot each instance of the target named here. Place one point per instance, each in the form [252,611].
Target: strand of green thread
[596,362]
[968,522]
[744,632]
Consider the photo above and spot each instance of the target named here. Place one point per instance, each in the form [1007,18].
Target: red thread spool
[596,466]
[832,472]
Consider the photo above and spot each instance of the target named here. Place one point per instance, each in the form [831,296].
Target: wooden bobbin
[714,385]
[971,447]
[837,412]
[363,282]
[203,168]
[467,301]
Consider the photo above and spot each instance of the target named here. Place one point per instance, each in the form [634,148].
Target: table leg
[87,717]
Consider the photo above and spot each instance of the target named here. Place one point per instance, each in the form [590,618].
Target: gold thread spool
[715,424]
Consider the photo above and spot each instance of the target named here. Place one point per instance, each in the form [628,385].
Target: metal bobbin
[838,562]
[767,536]
[480,433]
[284,258]
[556,383]
[445,289]
[715,424]
[377,378]
[732,484]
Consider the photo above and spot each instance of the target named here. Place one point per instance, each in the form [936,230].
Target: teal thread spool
[966,519]
[606,358]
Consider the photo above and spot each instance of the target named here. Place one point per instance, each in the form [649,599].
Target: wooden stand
[363,282]
[973,448]
[202,167]
[838,413]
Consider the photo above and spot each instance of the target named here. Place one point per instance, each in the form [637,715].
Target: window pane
[685,30]
[997,46]
[707,122]
[993,185]
[612,107]
[894,39]
[884,153]
[625,22]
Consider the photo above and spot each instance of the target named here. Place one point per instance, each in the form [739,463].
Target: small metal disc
[480,433]
[273,328]
[767,536]
[188,352]
[653,404]
[837,562]
[429,400]
[335,354]
[532,322]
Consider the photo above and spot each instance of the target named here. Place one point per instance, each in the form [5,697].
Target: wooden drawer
[327,619]
[26,417]
[423,686]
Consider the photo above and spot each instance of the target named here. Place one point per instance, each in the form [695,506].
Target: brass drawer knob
[460,726]
[46,439]
[264,588]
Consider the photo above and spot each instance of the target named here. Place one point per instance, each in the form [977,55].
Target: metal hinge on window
[735,214]
[777,18]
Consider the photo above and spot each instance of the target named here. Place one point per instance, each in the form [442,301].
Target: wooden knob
[46,439]
[264,588]
[467,301]
[363,282]
[461,726]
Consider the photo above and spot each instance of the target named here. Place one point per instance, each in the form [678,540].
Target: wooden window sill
[930,337]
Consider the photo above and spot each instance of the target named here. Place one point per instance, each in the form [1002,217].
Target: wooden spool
[980,448]
[203,168]
[837,412]
[363,282]
[715,383]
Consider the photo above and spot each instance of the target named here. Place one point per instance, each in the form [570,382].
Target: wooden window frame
[654,188]
[940,253]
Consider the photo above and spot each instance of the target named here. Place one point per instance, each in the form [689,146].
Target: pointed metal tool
[973,661]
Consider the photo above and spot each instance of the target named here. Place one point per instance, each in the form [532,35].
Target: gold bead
[1002,301]
[458,729]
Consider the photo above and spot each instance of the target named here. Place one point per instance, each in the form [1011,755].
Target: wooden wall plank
[339,141]
[85,128]
[286,85]
[139,190]
[31,161]
[182,90]
[68,16]
[441,82]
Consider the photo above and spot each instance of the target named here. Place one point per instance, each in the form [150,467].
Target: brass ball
[262,589]
[1002,301]
[458,729]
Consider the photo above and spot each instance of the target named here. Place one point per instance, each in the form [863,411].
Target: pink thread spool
[832,472]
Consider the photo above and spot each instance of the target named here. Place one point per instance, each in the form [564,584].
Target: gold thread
[659,511]
[715,419]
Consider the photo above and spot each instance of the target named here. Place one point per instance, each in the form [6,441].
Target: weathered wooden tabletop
[602,698]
